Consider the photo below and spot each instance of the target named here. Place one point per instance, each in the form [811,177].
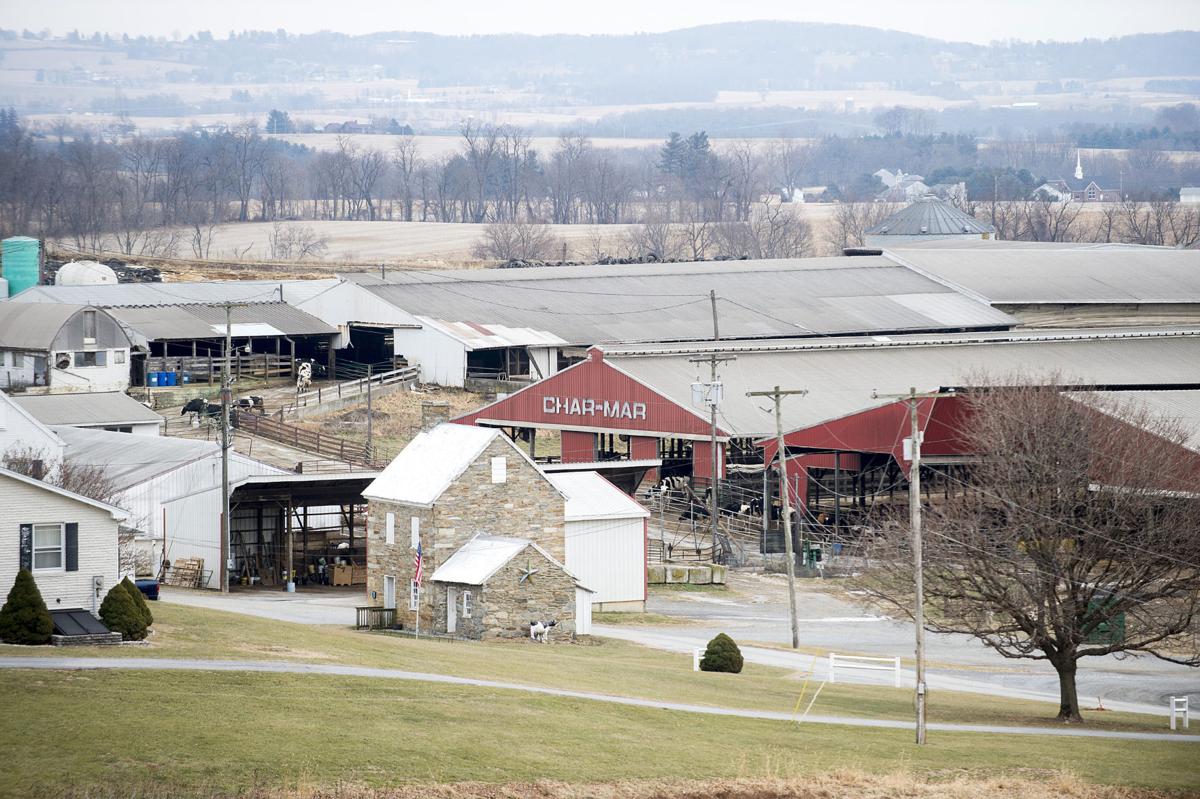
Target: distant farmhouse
[1098,189]
[899,187]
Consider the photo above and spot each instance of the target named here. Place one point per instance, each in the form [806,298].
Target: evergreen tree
[121,615]
[24,618]
[722,654]
[672,158]
[136,595]
[279,122]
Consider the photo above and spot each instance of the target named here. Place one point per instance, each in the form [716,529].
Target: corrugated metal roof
[211,291]
[87,408]
[170,322]
[669,302]
[130,460]
[930,216]
[1016,275]
[477,560]
[1182,407]
[477,336]
[31,327]
[590,496]
[842,374]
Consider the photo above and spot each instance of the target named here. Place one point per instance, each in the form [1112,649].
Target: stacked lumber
[185,572]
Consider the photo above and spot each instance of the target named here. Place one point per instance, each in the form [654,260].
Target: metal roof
[209,291]
[479,337]
[1180,406]
[87,408]
[842,374]
[176,322]
[30,327]
[669,302]
[430,463]
[590,496]
[130,460]
[477,560]
[1028,275]
[930,216]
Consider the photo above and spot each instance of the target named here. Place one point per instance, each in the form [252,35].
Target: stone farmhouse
[490,527]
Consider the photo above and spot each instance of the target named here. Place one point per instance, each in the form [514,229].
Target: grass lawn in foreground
[603,666]
[192,733]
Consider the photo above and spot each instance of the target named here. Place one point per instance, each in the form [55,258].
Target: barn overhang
[882,430]
[594,396]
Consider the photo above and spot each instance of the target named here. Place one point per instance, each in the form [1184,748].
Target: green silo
[20,263]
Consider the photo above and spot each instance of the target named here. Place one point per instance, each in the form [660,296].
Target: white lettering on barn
[578,406]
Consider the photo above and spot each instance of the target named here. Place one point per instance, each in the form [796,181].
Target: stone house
[495,587]
[449,485]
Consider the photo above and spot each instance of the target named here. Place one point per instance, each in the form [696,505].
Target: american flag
[418,563]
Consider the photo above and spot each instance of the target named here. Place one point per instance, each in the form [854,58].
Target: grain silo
[20,263]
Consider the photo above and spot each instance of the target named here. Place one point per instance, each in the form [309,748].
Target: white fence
[1179,706]
[354,388]
[844,662]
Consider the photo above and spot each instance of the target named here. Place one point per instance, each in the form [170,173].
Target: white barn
[114,411]
[606,540]
[67,541]
[22,435]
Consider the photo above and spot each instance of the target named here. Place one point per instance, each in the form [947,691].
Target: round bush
[24,618]
[121,615]
[722,654]
[139,599]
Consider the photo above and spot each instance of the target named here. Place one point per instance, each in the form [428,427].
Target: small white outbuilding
[606,540]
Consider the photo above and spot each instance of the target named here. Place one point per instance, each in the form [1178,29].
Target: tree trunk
[1068,703]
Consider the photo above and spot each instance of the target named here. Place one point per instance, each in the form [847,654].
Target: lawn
[202,733]
[604,666]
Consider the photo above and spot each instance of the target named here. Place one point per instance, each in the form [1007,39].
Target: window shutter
[26,547]
[72,547]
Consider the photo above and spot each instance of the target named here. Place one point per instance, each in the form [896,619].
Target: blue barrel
[172,378]
[152,378]
[186,377]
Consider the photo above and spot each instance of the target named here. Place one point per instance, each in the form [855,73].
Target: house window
[89,327]
[466,610]
[118,356]
[1091,193]
[414,540]
[390,528]
[414,594]
[500,469]
[96,358]
[18,359]
[48,547]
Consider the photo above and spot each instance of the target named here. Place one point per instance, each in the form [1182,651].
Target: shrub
[24,618]
[121,615]
[722,654]
[139,599]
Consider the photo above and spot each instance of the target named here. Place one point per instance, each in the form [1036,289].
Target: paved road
[305,606]
[756,610]
[283,667]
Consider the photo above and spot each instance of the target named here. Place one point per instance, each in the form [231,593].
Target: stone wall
[510,604]
[526,505]
[467,627]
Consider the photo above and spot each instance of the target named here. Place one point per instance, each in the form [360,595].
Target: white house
[68,542]
[150,472]
[606,539]
[61,348]
[1190,195]
[114,411]
[23,436]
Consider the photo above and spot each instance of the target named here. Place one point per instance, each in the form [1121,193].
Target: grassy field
[605,666]
[214,734]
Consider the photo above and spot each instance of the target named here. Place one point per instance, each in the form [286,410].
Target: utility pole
[914,511]
[225,402]
[777,395]
[370,439]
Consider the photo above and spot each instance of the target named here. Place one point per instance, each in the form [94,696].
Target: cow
[250,402]
[304,373]
[540,630]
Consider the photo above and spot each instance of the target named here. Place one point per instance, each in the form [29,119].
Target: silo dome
[84,273]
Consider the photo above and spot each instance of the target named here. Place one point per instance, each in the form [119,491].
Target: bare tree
[407,165]
[851,220]
[1072,535]
[1046,219]
[295,242]
[507,241]
[655,240]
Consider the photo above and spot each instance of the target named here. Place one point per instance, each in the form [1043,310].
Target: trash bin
[186,377]
[172,378]
[152,378]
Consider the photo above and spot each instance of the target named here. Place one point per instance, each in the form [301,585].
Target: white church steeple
[1078,166]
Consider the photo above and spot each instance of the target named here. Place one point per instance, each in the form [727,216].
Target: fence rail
[354,388]
[314,441]
[370,618]
[208,367]
[837,661]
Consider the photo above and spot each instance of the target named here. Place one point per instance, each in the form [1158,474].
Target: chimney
[434,413]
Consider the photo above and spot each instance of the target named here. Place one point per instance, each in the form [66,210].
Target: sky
[958,20]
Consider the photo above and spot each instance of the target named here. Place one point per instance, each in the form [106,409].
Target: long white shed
[605,540]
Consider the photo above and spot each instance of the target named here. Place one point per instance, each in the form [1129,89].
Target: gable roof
[479,559]
[930,216]
[130,460]
[590,496]
[432,462]
[87,408]
[117,513]
[29,418]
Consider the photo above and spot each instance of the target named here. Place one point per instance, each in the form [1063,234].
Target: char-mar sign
[581,406]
